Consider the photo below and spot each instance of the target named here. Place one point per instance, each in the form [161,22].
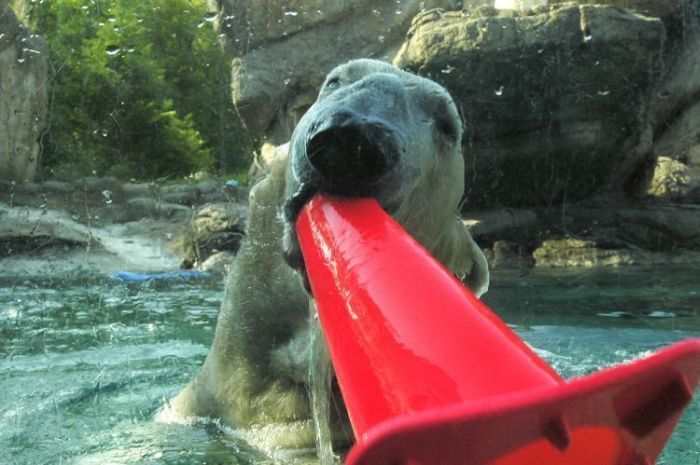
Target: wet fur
[268,373]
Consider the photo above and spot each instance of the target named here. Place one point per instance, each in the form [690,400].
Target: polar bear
[373,131]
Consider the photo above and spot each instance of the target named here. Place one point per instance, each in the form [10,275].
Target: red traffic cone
[430,375]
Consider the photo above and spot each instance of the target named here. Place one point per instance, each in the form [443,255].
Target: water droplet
[381,39]
[291,13]
[21,60]
[587,36]
[107,194]
[447,69]
[498,92]
[210,16]
[376,12]
[113,50]
[603,92]
[111,19]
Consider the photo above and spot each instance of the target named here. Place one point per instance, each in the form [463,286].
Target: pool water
[85,362]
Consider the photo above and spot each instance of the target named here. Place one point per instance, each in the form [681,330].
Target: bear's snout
[349,152]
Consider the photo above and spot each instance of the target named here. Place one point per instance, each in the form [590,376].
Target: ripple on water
[85,363]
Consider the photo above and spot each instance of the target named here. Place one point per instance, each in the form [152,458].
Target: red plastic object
[430,375]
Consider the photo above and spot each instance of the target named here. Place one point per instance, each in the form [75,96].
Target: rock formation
[23,97]
[284,50]
[555,103]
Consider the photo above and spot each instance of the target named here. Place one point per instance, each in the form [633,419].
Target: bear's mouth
[344,156]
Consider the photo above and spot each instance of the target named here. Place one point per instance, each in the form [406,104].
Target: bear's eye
[332,83]
[446,127]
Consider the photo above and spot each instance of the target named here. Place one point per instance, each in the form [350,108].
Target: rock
[23,106]
[658,8]
[587,254]
[30,231]
[140,189]
[580,253]
[653,226]
[148,207]
[671,180]
[675,102]
[209,187]
[56,187]
[549,107]
[214,228]
[507,254]
[182,194]
[284,49]
[27,188]
[501,223]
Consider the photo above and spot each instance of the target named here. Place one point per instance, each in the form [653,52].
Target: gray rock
[148,207]
[507,254]
[140,189]
[216,227]
[209,187]
[182,194]
[56,187]
[28,231]
[284,49]
[549,107]
[23,106]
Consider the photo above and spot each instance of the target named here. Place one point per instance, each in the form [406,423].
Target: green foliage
[138,89]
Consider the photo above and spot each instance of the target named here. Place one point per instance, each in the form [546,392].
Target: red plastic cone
[430,375]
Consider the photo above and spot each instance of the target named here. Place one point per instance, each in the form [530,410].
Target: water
[85,363]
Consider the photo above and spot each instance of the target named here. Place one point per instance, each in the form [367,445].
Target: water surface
[86,362]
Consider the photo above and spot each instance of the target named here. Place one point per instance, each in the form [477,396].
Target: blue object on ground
[128,276]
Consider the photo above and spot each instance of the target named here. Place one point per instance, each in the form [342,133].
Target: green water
[86,363]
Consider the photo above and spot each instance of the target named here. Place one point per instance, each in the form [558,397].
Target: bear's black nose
[349,152]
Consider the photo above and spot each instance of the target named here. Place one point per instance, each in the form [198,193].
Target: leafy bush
[137,89]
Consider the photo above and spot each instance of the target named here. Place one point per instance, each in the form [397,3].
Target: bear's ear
[466,259]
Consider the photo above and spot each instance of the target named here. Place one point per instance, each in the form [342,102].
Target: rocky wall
[23,97]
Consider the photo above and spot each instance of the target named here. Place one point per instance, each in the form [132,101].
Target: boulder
[31,231]
[139,208]
[183,194]
[23,106]
[507,254]
[671,180]
[215,228]
[676,103]
[658,8]
[570,252]
[555,103]
[284,50]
